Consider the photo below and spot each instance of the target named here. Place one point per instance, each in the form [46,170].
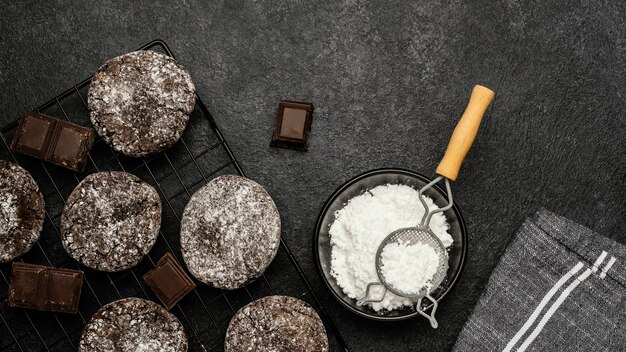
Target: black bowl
[359,185]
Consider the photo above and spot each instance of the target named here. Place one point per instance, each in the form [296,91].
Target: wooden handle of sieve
[465,132]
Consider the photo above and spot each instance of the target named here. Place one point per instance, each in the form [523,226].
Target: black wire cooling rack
[199,156]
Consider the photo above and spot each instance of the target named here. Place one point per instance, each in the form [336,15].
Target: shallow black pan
[360,185]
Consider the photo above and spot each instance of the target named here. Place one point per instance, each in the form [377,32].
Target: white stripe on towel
[553,309]
[598,261]
[541,305]
[607,267]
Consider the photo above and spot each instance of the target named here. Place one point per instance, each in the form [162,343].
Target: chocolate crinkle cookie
[230,232]
[110,221]
[133,325]
[22,211]
[276,324]
[140,102]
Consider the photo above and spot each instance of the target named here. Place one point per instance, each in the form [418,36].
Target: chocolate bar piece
[169,281]
[43,288]
[293,125]
[57,141]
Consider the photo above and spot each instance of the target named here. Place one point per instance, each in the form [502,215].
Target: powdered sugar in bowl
[454,235]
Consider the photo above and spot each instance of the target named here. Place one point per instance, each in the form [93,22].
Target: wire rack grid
[200,155]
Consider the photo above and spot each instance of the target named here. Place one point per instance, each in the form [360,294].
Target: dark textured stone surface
[388,80]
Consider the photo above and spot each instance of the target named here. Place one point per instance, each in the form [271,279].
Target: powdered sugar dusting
[140,102]
[409,267]
[359,229]
[110,221]
[133,325]
[276,323]
[8,212]
[21,211]
[230,232]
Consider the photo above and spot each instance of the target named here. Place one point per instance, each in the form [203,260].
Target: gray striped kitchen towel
[558,287]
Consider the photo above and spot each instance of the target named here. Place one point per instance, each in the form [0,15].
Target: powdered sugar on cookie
[230,232]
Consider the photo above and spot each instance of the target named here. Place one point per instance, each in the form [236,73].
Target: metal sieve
[413,235]
[448,169]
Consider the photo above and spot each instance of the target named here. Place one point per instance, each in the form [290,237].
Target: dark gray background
[389,81]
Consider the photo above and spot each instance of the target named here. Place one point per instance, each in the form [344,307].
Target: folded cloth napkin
[558,287]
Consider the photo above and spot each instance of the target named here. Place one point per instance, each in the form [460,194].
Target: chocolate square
[43,288]
[33,135]
[293,125]
[169,281]
[27,286]
[72,147]
[57,141]
[64,290]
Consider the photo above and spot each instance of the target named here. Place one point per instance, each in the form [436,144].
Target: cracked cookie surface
[110,221]
[230,232]
[140,102]
[277,324]
[133,325]
[22,211]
